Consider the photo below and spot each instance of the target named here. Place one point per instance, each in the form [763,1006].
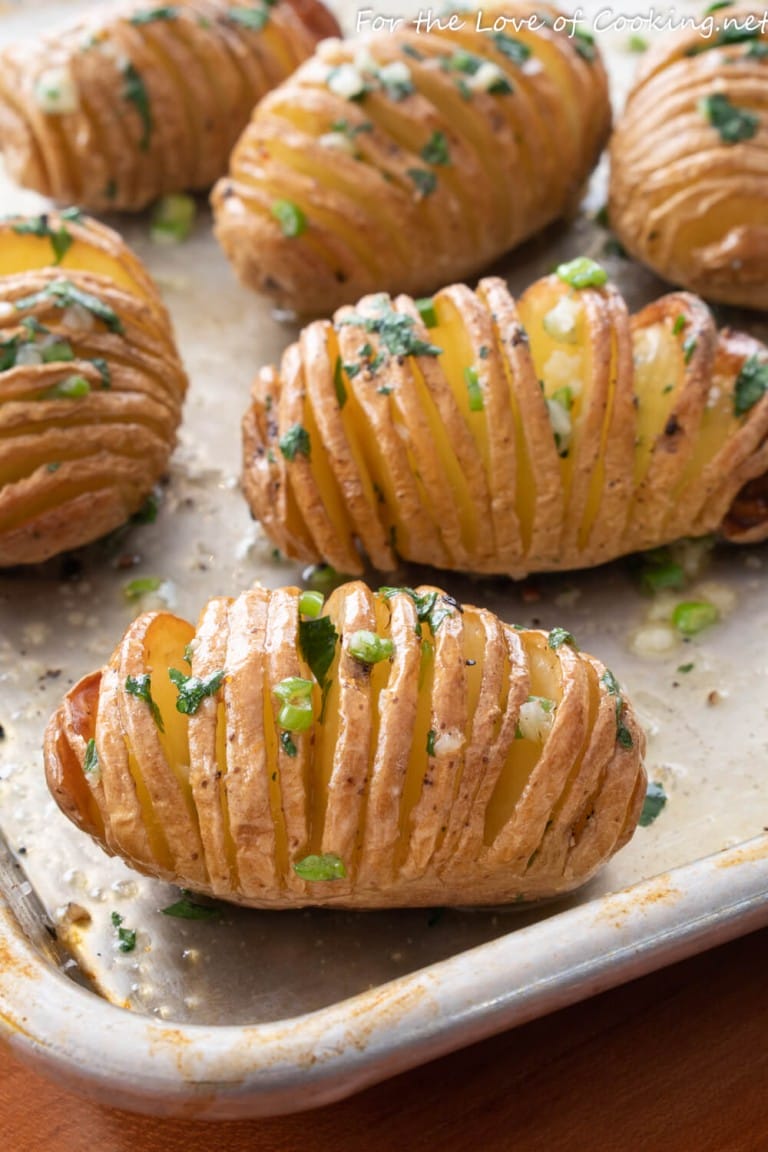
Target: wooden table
[674,1062]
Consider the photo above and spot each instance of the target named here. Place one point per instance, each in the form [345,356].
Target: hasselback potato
[91,385]
[414,158]
[476,432]
[383,749]
[145,99]
[689,160]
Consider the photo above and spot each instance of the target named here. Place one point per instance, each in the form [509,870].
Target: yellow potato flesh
[658,373]
[271,737]
[166,641]
[27,253]
[524,754]
[324,478]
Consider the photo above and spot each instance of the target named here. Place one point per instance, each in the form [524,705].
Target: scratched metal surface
[708,728]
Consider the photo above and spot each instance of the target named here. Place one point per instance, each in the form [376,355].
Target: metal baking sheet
[252,1013]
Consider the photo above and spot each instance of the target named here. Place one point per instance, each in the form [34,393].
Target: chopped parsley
[135,92]
[188,907]
[141,687]
[194,689]
[252,18]
[733,124]
[329,866]
[431,742]
[655,800]
[317,642]
[435,151]
[751,385]
[424,180]
[60,238]
[72,388]
[287,744]
[396,87]
[295,442]
[584,43]
[338,381]
[62,294]
[152,14]
[685,668]
[91,762]
[290,217]
[611,684]
[396,331]
[431,607]
[514,50]
[558,637]
[126,937]
[689,347]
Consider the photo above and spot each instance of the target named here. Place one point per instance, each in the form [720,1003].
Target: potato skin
[155,96]
[547,433]
[461,145]
[424,797]
[91,385]
[687,199]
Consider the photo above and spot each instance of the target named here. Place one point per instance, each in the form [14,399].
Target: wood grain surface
[674,1062]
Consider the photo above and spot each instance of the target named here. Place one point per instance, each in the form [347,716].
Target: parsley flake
[751,385]
[655,801]
[732,123]
[317,642]
[194,689]
[435,151]
[141,687]
[295,442]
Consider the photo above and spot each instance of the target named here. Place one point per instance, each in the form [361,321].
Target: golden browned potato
[475,432]
[414,158]
[146,99]
[91,385]
[689,160]
[383,749]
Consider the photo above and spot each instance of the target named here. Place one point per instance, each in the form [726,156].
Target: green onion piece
[426,307]
[431,742]
[296,717]
[57,352]
[135,589]
[693,616]
[582,273]
[311,604]
[679,324]
[637,44]
[689,347]
[294,689]
[135,92]
[290,217]
[684,668]
[338,383]
[655,800]
[173,218]
[73,388]
[656,576]
[329,866]
[321,576]
[474,391]
[370,648]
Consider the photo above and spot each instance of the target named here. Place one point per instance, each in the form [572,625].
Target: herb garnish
[689,347]
[290,217]
[558,637]
[287,744]
[431,742]
[60,238]
[329,866]
[474,391]
[431,607]
[611,684]
[317,642]
[514,50]
[153,14]
[425,181]
[435,151]
[655,800]
[141,687]
[126,936]
[396,332]
[679,324]
[62,294]
[751,385]
[733,124]
[584,43]
[135,92]
[295,442]
[582,273]
[91,762]
[189,908]
[253,18]
[338,382]
[139,587]
[194,689]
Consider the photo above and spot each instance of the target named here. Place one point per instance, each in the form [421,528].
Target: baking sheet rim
[140,1063]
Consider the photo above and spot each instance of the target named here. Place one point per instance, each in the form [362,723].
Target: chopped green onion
[73,388]
[311,603]
[474,391]
[173,218]
[431,742]
[370,648]
[693,616]
[338,383]
[135,589]
[329,866]
[56,352]
[293,689]
[426,307]
[679,324]
[637,44]
[296,717]
[582,273]
[290,217]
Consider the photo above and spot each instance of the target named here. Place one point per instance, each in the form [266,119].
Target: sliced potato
[508,437]
[397,749]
